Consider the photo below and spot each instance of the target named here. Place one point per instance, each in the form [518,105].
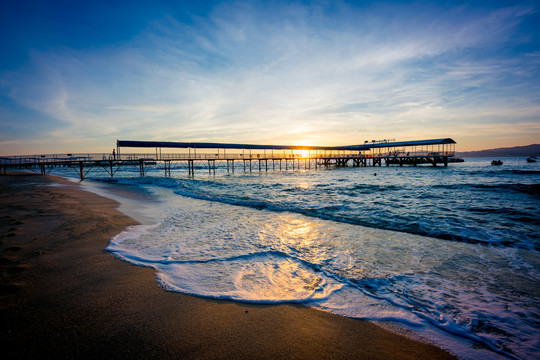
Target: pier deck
[249,157]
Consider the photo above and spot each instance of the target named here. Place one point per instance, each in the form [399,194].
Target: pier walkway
[245,157]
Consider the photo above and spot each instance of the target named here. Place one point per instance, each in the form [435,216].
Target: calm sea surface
[446,254]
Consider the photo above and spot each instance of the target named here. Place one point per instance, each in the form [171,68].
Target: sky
[75,76]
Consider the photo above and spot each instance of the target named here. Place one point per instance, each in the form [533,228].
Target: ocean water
[449,255]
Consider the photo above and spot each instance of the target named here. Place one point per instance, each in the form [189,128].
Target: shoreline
[64,295]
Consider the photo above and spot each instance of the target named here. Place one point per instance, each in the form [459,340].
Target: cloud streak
[292,73]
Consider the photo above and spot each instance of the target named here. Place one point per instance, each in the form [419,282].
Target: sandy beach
[64,296]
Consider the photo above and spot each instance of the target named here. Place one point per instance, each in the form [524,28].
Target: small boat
[531,159]
[496,163]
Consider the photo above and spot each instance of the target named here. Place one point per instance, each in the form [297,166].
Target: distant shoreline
[516,151]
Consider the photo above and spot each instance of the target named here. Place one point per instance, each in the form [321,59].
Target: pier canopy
[205,145]
[386,144]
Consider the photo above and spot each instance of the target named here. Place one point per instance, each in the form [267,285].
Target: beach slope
[63,296]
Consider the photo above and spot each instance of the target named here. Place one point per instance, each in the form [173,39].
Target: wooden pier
[241,156]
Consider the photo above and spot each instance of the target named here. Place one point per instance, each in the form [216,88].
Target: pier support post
[211,166]
[81,170]
[167,166]
[231,167]
[141,168]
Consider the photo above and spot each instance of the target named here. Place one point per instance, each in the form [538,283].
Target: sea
[447,255]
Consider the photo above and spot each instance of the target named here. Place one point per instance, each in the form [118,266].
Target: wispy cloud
[291,73]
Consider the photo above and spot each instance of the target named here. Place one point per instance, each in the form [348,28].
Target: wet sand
[63,296]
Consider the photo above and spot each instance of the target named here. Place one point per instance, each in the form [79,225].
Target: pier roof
[205,145]
[381,144]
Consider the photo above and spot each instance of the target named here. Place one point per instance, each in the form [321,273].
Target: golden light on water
[299,228]
[303,185]
[297,232]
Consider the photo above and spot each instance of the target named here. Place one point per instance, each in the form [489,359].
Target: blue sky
[77,75]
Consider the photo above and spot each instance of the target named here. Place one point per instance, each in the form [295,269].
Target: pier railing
[48,158]
[86,157]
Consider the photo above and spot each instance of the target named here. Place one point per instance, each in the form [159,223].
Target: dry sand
[63,296]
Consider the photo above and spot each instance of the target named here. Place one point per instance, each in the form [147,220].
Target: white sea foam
[443,290]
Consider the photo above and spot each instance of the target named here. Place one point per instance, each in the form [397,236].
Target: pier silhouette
[251,157]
